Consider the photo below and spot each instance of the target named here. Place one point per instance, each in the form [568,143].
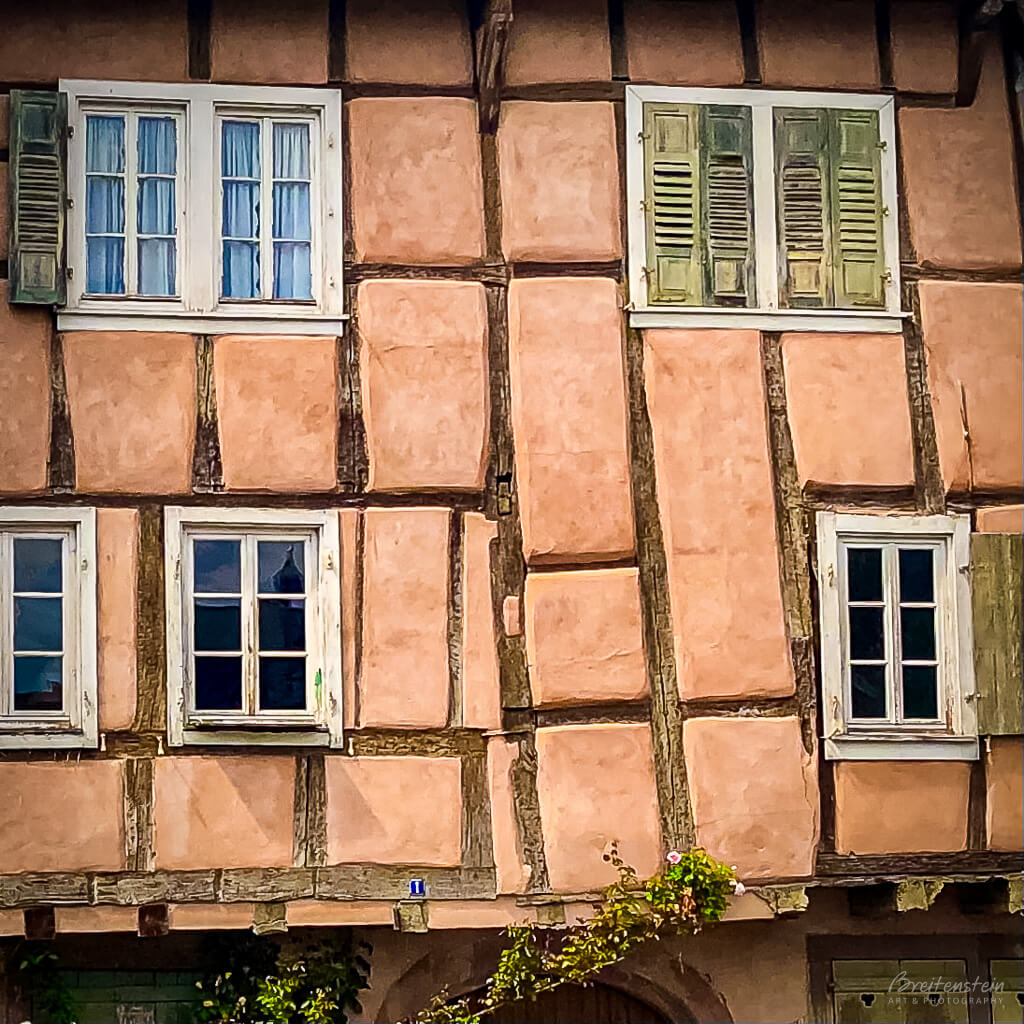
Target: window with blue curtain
[291,187]
[240,219]
[156,218]
[104,204]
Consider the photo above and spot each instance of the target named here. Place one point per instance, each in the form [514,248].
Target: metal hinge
[503,494]
[882,144]
[71,131]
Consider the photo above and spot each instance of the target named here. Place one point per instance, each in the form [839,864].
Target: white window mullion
[6,624]
[893,653]
[250,624]
[131,199]
[266,220]
[765,237]
[314,629]
[201,184]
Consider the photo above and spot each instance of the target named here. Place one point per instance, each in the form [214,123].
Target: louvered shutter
[672,203]
[38,160]
[861,992]
[801,178]
[726,149]
[1008,999]
[856,183]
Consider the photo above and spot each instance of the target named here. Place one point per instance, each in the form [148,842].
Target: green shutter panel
[801,183]
[1008,1002]
[997,581]
[856,194]
[726,149]
[861,992]
[931,1007]
[38,161]
[672,203]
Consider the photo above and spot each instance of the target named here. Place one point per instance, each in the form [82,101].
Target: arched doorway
[571,1004]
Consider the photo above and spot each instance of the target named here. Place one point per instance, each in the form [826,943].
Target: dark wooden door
[596,1004]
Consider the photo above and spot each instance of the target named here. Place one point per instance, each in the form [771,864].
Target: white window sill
[47,741]
[227,737]
[266,322]
[909,747]
[831,321]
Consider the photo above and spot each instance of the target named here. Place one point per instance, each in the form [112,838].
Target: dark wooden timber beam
[977,19]
[489,51]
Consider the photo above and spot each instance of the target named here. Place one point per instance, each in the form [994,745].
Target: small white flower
[738,888]
[674,857]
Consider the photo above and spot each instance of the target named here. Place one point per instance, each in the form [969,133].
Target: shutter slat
[38,159]
[672,204]
[726,165]
[858,259]
[801,153]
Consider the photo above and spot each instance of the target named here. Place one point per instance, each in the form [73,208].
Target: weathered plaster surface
[569,418]
[343,914]
[754,794]
[583,636]
[96,919]
[848,410]
[901,806]
[394,810]
[117,544]
[596,786]
[203,916]
[707,407]
[563,42]
[229,812]
[276,403]
[61,817]
[981,379]
[513,874]
[559,181]
[925,47]
[683,42]
[1002,519]
[481,697]
[959,178]
[423,368]
[417,193]
[1004,777]
[24,396]
[133,410]
[405,619]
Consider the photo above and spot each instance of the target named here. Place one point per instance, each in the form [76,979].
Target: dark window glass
[868,689]
[38,624]
[920,692]
[281,567]
[864,573]
[218,625]
[282,625]
[866,637]
[916,574]
[37,565]
[917,627]
[38,684]
[218,684]
[217,566]
[282,684]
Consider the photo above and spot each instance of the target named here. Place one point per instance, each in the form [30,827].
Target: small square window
[253,626]
[897,667]
[47,628]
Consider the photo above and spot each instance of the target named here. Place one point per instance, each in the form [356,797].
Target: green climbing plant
[37,974]
[691,891]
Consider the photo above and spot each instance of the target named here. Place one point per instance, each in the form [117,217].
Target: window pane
[240,216]
[282,625]
[38,624]
[218,624]
[291,214]
[241,270]
[864,573]
[281,566]
[282,684]
[916,579]
[38,684]
[920,691]
[158,148]
[291,210]
[156,214]
[866,634]
[37,565]
[104,205]
[157,257]
[241,210]
[917,627]
[291,151]
[217,566]
[868,690]
[219,684]
[292,277]
[104,144]
[104,266]
[240,149]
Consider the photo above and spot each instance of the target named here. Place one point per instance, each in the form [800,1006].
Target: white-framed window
[253,626]
[203,206]
[47,628]
[762,209]
[897,658]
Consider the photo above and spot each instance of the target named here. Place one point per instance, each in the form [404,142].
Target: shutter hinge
[882,144]
[71,131]
[69,272]
[642,136]
[887,276]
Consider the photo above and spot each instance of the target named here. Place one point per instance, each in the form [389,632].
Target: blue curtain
[292,274]
[156,212]
[104,205]
[240,216]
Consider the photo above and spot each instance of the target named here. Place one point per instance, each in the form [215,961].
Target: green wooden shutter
[996,584]
[726,150]
[1008,1002]
[804,225]
[672,203]
[930,1007]
[861,992]
[38,160]
[855,182]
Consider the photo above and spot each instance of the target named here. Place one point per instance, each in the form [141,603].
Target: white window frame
[955,735]
[768,315]
[76,726]
[199,307]
[321,724]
